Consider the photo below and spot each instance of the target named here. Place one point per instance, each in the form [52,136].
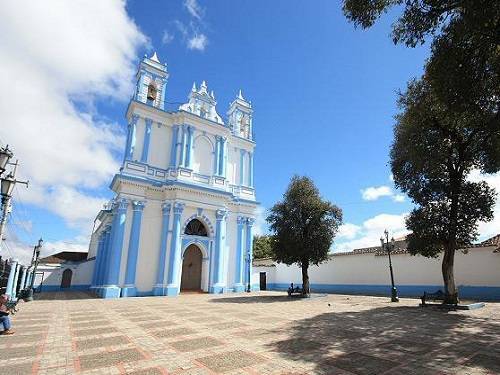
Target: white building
[185,203]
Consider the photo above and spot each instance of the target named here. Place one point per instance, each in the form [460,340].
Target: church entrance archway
[66,278]
[191,269]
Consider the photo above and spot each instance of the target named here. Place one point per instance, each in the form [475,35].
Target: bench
[437,296]
[294,291]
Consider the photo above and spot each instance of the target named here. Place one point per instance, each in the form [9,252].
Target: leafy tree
[304,226]
[465,41]
[262,247]
[449,122]
[437,143]
[421,19]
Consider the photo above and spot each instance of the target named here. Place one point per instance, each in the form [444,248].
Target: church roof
[65,256]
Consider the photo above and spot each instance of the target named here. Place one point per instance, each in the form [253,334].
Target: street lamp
[7,186]
[5,155]
[390,247]
[34,261]
[249,260]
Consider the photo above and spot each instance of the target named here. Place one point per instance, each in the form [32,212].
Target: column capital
[250,221]
[165,207]
[134,119]
[241,220]
[242,151]
[121,204]
[178,208]
[220,214]
[149,121]
[138,205]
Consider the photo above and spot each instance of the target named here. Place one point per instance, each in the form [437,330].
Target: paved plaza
[260,333]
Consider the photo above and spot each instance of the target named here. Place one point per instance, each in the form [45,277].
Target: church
[184,207]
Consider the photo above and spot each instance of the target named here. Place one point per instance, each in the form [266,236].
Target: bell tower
[240,117]
[151,82]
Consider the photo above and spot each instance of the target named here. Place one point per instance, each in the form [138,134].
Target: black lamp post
[389,247]
[249,260]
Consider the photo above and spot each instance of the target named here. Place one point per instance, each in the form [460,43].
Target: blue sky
[323,93]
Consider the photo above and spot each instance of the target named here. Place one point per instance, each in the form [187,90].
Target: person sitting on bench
[4,315]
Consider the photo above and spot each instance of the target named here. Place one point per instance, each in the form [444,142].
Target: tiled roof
[65,256]
[400,247]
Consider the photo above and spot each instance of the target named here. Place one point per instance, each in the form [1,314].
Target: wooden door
[66,278]
[191,269]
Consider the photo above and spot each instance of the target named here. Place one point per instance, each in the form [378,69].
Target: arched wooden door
[66,278]
[191,269]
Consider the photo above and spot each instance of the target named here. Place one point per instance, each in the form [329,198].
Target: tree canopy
[435,148]
[449,120]
[262,247]
[304,226]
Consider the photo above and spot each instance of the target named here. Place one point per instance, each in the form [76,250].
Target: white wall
[476,272]
[52,275]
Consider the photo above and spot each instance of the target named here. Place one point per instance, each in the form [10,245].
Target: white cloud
[368,234]
[373,193]
[194,9]
[167,37]
[50,56]
[398,198]
[348,231]
[260,225]
[492,228]
[193,32]
[198,42]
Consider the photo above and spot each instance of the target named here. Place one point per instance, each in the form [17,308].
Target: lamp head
[5,156]
[8,184]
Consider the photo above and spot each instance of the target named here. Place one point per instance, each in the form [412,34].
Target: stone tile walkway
[260,333]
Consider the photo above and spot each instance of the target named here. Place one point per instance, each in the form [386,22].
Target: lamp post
[34,261]
[389,246]
[7,186]
[5,156]
[249,261]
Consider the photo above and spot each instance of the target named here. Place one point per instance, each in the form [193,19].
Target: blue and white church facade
[184,207]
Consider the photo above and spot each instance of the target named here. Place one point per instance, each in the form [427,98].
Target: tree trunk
[451,292]
[305,279]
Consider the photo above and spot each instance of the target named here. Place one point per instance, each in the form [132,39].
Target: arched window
[152,91]
[196,228]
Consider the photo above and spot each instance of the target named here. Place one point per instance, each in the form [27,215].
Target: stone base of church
[172,291]
[160,290]
[217,289]
[238,288]
[129,291]
[110,292]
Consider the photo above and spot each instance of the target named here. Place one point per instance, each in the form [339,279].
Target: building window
[196,228]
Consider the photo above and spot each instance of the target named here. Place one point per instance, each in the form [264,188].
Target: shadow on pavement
[258,299]
[393,340]
[63,296]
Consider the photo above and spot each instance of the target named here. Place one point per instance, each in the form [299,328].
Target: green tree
[436,146]
[262,247]
[465,44]
[304,226]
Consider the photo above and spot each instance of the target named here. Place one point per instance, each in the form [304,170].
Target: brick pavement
[260,333]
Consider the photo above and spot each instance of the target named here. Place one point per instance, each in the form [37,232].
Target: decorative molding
[138,205]
[220,214]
